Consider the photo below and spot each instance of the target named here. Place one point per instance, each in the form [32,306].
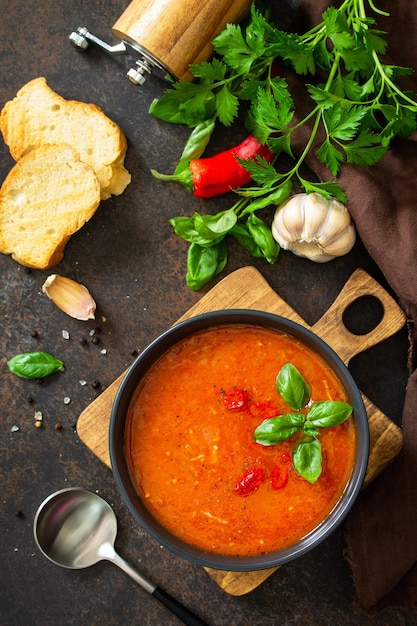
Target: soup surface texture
[189,442]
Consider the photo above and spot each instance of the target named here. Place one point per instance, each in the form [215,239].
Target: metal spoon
[76,528]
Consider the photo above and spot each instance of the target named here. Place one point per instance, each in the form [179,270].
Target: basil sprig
[207,254]
[306,455]
[34,364]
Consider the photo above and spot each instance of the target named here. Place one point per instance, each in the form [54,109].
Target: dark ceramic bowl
[118,426]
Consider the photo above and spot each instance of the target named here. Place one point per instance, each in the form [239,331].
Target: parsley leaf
[268,117]
[210,72]
[330,156]
[237,50]
[327,189]
[227,105]
[365,149]
[343,122]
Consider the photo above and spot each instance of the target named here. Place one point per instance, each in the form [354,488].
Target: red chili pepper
[265,410]
[236,400]
[250,481]
[212,176]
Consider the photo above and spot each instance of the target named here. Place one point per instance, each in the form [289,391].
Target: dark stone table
[134,266]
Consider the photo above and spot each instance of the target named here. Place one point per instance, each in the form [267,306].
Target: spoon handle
[108,552]
[176,607]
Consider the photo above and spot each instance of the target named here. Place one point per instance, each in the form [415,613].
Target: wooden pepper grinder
[172,34]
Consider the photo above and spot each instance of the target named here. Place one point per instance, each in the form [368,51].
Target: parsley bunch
[356,109]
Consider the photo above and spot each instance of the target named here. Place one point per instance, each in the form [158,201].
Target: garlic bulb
[71,297]
[311,226]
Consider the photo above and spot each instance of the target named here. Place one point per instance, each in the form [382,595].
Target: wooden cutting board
[247,289]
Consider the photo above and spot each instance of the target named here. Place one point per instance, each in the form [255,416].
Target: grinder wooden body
[178,33]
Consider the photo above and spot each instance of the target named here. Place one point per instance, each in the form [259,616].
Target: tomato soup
[189,450]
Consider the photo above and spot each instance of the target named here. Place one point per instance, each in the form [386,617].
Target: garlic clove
[342,244]
[316,210]
[69,296]
[292,222]
[337,221]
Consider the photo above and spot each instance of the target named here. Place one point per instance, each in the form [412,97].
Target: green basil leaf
[329,413]
[185,103]
[196,144]
[263,238]
[204,263]
[183,227]
[292,387]
[218,224]
[306,459]
[245,239]
[195,230]
[309,429]
[166,109]
[34,364]
[277,429]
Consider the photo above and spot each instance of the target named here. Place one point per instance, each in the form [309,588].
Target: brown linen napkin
[381,530]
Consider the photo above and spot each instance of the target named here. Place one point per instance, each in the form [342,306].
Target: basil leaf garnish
[309,428]
[34,364]
[277,429]
[292,387]
[329,413]
[306,459]
[306,455]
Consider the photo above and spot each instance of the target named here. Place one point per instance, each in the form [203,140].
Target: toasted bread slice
[47,196]
[39,116]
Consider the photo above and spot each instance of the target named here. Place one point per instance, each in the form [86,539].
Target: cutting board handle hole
[363,314]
